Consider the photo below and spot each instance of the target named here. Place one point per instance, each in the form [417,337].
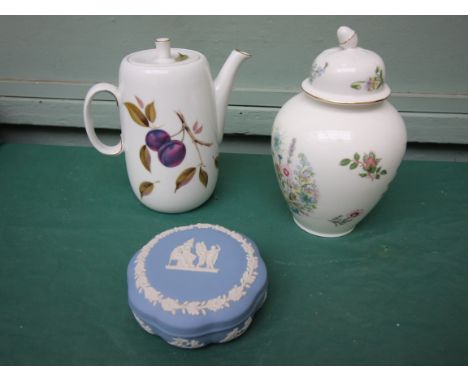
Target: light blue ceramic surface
[196,285]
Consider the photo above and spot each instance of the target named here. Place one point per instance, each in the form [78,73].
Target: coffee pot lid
[163,55]
[347,74]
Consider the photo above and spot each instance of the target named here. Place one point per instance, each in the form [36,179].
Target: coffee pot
[172,120]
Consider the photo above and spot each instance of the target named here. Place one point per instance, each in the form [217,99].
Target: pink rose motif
[369,161]
[355,213]
[285,171]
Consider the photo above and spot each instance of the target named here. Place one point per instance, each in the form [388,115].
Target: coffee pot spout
[223,86]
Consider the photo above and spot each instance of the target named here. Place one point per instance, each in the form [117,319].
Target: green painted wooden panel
[414,102]
[422,54]
[422,127]
[54,60]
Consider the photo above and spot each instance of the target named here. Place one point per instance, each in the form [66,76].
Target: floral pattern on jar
[369,165]
[373,83]
[317,71]
[344,219]
[295,177]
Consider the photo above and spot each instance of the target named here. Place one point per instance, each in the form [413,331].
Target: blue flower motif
[317,71]
[297,183]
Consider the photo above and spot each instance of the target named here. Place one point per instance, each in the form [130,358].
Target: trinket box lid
[347,74]
[196,284]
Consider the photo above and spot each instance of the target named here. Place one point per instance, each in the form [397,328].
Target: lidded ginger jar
[338,144]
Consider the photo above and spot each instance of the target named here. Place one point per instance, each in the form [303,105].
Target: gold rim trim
[348,40]
[343,103]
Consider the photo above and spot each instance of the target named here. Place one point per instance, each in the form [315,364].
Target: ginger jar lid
[347,74]
[195,285]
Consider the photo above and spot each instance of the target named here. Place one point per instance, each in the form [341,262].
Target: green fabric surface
[394,292]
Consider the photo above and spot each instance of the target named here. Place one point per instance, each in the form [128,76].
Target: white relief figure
[184,258]
[207,257]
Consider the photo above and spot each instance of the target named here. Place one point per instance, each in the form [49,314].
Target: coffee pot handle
[88,120]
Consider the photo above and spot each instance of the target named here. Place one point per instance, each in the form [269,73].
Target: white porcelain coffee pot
[338,144]
[172,120]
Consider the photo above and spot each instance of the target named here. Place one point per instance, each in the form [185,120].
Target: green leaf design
[345,162]
[150,112]
[370,166]
[203,176]
[146,188]
[356,85]
[145,157]
[181,57]
[137,116]
[185,177]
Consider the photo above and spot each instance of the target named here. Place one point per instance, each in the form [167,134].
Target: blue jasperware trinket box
[196,285]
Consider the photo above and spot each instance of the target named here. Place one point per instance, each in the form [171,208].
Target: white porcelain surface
[312,141]
[347,74]
[172,91]
[335,147]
